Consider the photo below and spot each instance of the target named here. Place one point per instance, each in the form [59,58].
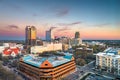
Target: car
[9,66]
[81,71]
[4,64]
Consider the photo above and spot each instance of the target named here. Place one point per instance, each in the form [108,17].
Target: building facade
[109,60]
[49,35]
[30,35]
[51,68]
[77,35]
[46,47]
[76,41]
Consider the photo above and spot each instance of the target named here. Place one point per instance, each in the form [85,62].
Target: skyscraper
[49,35]
[77,35]
[30,35]
[77,40]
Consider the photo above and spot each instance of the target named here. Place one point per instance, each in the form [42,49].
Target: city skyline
[93,19]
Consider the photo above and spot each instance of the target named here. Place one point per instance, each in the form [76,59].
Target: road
[80,71]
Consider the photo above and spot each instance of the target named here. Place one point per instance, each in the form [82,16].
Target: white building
[1,49]
[76,41]
[46,47]
[109,60]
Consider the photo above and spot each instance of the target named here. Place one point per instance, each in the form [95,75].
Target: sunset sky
[94,19]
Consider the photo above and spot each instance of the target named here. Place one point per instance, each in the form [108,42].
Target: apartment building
[109,60]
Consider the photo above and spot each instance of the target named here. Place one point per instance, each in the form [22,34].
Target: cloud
[34,15]
[61,12]
[12,5]
[69,24]
[101,25]
[52,28]
[13,27]
[64,29]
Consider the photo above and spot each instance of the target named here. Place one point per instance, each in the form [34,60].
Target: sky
[94,19]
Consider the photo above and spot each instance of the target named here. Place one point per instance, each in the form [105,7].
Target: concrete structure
[77,40]
[65,47]
[39,42]
[30,35]
[109,60]
[46,47]
[77,35]
[1,49]
[49,35]
[47,68]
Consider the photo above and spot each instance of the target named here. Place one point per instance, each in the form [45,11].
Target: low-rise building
[85,49]
[46,47]
[65,47]
[109,60]
[11,51]
[47,68]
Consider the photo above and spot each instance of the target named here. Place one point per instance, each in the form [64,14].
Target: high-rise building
[30,35]
[77,35]
[49,35]
[77,40]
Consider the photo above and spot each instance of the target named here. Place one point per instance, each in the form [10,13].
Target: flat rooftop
[54,60]
[113,52]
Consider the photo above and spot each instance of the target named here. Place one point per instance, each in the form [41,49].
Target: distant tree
[80,62]
[0,56]
[7,75]
[91,56]
[15,63]
[98,48]
[5,59]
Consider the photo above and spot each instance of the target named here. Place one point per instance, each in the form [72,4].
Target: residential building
[12,51]
[47,68]
[109,60]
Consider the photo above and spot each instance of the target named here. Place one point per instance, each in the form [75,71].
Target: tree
[7,75]
[5,59]
[80,62]
[0,56]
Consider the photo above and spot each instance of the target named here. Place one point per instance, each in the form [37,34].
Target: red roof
[10,50]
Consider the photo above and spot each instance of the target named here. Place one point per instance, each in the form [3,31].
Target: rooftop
[54,61]
[114,52]
[111,50]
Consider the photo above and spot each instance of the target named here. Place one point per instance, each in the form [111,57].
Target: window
[46,64]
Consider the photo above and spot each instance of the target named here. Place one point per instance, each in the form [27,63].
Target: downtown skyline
[92,18]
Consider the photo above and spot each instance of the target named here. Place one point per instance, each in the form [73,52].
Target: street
[80,71]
